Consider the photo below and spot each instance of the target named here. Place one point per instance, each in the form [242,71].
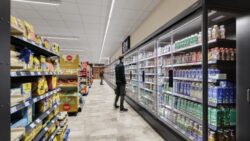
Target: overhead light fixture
[45,2]
[107,27]
[78,50]
[60,37]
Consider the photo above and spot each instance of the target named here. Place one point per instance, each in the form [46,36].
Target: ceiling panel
[86,19]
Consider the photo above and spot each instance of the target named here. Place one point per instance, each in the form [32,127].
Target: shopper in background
[101,76]
[120,84]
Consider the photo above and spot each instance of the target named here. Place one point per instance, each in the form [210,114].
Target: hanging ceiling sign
[126,45]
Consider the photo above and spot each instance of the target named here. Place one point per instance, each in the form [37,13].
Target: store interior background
[84,22]
[83,27]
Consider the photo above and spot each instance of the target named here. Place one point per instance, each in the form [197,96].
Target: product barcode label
[23,73]
[38,121]
[32,125]
[26,103]
[13,74]
[13,109]
[35,99]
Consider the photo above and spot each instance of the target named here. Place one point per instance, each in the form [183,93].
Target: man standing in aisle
[120,84]
[101,76]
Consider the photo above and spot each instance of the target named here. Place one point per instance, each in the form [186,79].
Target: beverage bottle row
[195,73]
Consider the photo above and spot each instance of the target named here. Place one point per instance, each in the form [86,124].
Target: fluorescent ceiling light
[39,2]
[107,27]
[60,37]
[80,50]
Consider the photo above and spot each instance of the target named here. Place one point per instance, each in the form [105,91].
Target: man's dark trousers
[120,92]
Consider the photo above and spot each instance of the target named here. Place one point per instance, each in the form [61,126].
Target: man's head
[121,58]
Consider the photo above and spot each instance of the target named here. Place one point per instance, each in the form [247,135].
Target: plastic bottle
[215,32]
[222,32]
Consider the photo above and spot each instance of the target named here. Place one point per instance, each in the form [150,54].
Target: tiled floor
[99,121]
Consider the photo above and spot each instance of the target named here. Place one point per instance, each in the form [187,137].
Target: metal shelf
[147,89]
[53,135]
[147,82]
[40,118]
[210,79]
[27,103]
[211,43]
[147,67]
[178,130]
[45,129]
[153,57]
[32,46]
[211,104]
[30,73]
[164,54]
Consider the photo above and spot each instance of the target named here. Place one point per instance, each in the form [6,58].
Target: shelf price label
[27,103]
[32,73]
[13,109]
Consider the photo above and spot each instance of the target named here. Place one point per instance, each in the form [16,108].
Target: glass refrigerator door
[147,76]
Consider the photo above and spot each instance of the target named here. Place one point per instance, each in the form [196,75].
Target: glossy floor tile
[99,121]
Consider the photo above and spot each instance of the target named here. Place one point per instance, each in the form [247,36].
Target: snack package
[37,64]
[46,43]
[43,63]
[52,82]
[40,87]
[27,57]
[26,89]
[55,47]
[42,106]
[29,31]
[38,40]
[13,21]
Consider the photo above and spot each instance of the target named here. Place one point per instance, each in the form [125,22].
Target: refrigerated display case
[188,66]
[131,74]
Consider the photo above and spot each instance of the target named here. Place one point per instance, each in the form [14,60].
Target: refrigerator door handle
[248,95]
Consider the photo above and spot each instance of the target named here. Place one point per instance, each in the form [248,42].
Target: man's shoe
[123,110]
[116,106]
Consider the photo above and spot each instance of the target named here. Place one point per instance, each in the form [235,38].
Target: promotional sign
[69,64]
[126,45]
[69,103]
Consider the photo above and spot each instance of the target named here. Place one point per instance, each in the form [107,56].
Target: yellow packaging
[31,61]
[30,31]
[37,129]
[40,87]
[52,129]
[43,63]
[46,44]
[13,21]
[28,136]
[42,106]
[55,47]
[21,25]
[36,65]
[26,89]
[52,81]
[38,40]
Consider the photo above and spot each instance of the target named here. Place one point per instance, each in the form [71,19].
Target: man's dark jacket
[120,74]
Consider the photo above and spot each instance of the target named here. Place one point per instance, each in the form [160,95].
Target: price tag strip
[32,101]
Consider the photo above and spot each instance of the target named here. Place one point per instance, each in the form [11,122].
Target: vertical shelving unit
[131,73]
[147,76]
[33,106]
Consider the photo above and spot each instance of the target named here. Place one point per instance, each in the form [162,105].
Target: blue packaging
[226,97]
[210,95]
[185,88]
[220,95]
[231,95]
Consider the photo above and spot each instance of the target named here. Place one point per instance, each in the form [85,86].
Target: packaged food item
[29,31]
[210,36]
[40,87]
[38,40]
[26,89]
[46,43]
[43,63]
[55,47]
[215,32]
[222,32]
[37,64]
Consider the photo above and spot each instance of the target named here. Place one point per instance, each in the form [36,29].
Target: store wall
[164,12]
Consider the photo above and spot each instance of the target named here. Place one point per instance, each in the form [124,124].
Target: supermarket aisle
[99,121]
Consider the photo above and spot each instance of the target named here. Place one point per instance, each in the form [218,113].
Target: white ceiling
[87,20]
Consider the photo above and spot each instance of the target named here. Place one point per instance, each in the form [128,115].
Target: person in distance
[120,84]
[101,76]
